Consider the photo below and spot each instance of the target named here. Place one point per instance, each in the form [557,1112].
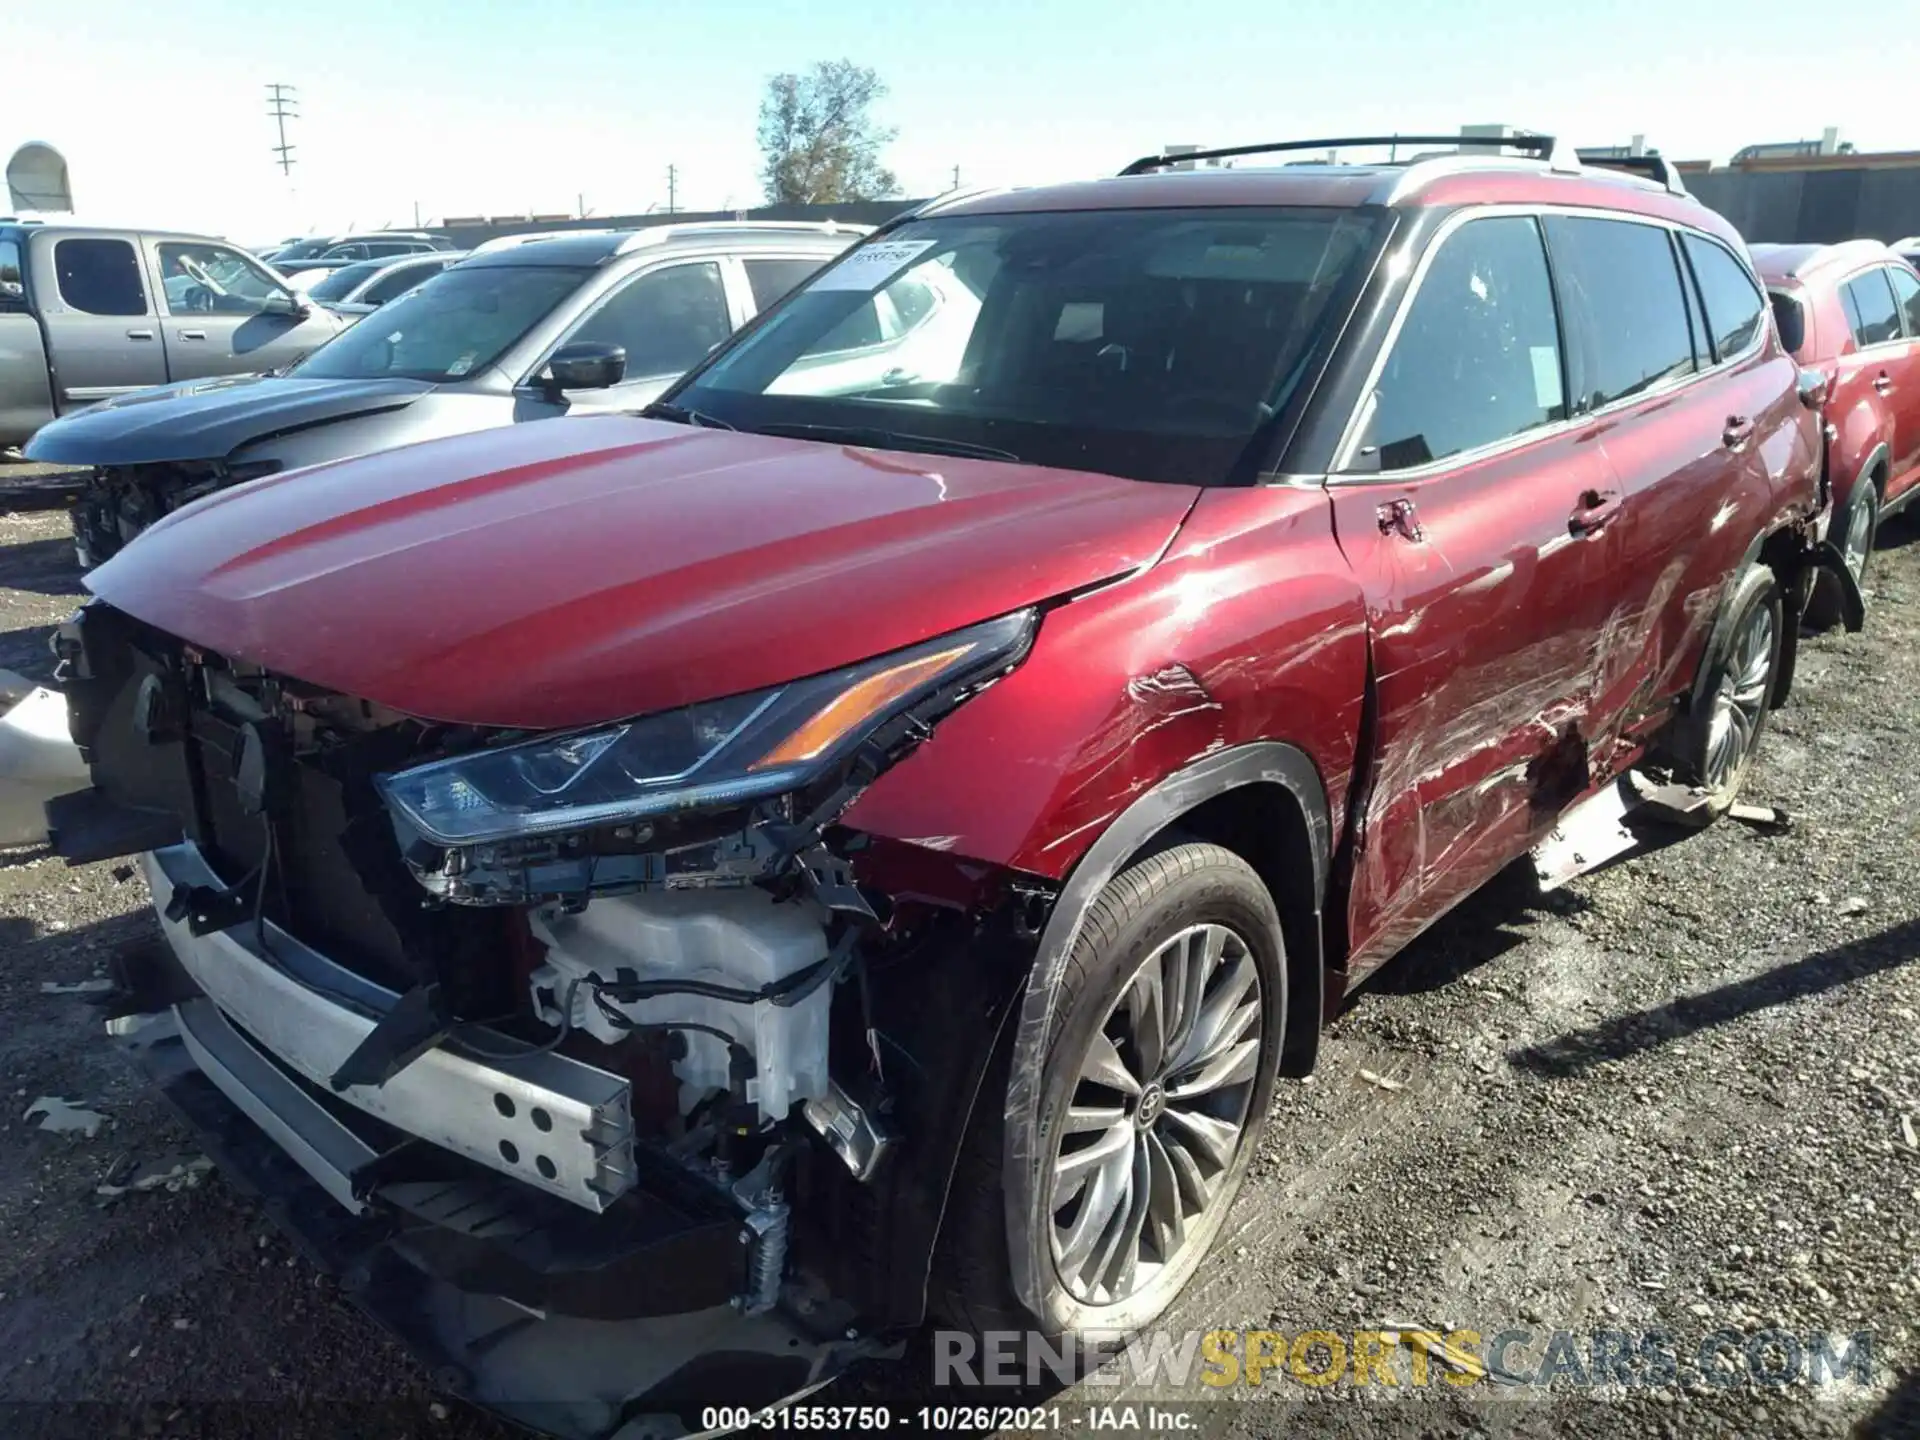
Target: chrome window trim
[1344,452]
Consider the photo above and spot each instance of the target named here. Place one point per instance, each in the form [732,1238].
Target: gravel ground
[1678,1095]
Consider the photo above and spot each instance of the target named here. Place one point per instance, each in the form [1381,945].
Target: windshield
[460,321]
[342,281]
[302,250]
[1153,344]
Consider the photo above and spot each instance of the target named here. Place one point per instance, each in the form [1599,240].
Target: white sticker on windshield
[871,266]
[1546,376]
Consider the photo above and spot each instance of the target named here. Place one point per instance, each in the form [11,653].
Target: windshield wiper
[682,415]
[879,439]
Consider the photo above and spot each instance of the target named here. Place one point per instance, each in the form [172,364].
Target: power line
[280,100]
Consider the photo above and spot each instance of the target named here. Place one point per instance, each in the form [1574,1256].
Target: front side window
[457,323]
[666,320]
[1733,302]
[1622,282]
[212,279]
[1873,313]
[1906,291]
[353,251]
[1478,356]
[100,277]
[1152,344]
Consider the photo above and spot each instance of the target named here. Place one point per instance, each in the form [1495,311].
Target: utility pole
[280,102]
[416,214]
[956,177]
[673,183]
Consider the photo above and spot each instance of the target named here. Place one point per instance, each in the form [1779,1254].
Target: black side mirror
[584,365]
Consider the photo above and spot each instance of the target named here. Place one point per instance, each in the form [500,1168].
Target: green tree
[819,142]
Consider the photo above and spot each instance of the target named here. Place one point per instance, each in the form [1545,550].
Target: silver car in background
[571,325]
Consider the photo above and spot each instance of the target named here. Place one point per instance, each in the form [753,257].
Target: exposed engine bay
[122,500]
[727,960]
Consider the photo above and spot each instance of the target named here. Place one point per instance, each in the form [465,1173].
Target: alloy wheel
[1157,1115]
[1741,698]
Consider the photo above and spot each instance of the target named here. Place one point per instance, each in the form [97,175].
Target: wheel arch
[1784,551]
[1267,803]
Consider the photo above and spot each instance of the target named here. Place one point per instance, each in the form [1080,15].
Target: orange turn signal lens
[854,706]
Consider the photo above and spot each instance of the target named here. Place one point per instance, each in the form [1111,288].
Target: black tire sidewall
[1222,889]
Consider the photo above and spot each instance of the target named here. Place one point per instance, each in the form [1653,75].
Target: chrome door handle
[1883,382]
[139,334]
[1739,430]
[193,334]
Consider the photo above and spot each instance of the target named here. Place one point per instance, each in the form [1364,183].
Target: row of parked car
[671,900]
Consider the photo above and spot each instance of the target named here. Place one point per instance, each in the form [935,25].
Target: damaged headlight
[720,752]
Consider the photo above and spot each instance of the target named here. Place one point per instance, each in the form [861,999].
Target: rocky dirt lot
[1680,1095]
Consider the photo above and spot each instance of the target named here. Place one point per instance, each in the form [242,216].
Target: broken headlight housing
[719,752]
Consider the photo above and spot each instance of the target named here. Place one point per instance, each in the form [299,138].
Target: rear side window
[100,277]
[1620,280]
[1906,290]
[665,320]
[773,278]
[1733,302]
[1477,359]
[1875,316]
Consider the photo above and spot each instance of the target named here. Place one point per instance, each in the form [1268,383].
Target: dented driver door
[1480,525]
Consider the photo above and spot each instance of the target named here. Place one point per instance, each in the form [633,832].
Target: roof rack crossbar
[1654,167]
[1543,146]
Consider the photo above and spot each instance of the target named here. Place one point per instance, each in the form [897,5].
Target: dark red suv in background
[1852,312]
[680,899]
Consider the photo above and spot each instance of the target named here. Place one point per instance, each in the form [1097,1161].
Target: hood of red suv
[572,572]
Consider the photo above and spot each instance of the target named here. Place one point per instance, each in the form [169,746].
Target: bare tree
[818,143]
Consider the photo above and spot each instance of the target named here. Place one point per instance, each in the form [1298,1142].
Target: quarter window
[1621,281]
[1875,317]
[12,286]
[1906,290]
[1477,359]
[100,277]
[1733,302]
[665,320]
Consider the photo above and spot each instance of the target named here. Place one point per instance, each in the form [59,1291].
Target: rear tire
[1720,742]
[1150,1108]
[1857,528]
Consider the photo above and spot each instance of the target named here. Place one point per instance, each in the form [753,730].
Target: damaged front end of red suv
[620,1071]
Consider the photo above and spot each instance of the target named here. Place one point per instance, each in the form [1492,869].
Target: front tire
[1156,1083]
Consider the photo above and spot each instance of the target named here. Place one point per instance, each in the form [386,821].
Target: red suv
[1852,312]
[682,898]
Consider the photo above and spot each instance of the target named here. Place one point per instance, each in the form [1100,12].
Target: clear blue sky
[481,106]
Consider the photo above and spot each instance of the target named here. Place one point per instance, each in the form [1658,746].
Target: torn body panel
[1249,629]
